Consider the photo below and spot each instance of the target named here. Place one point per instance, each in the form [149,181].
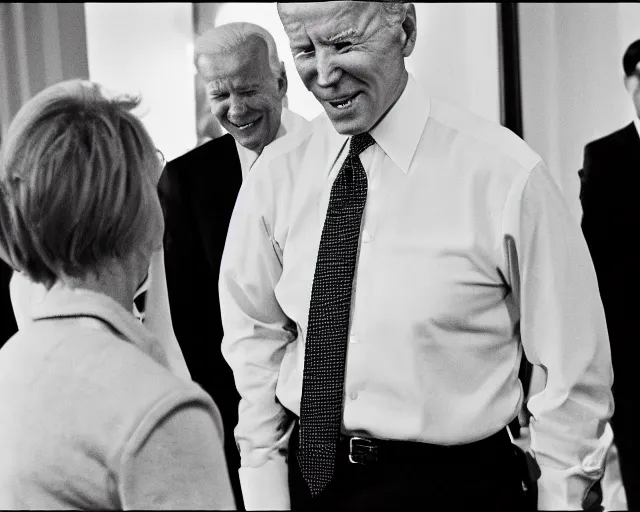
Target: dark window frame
[511,117]
[509,61]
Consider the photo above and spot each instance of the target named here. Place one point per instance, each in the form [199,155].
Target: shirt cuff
[563,489]
[266,487]
[567,489]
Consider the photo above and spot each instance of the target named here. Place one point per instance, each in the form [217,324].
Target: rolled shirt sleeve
[563,329]
[256,332]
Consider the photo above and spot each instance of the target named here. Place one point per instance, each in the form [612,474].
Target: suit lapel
[632,138]
[630,148]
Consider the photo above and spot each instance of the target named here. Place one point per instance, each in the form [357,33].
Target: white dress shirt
[636,122]
[468,253]
[290,122]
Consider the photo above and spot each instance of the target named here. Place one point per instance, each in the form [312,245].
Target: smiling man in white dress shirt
[380,369]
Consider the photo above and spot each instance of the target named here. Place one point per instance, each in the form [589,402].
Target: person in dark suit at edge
[8,326]
[609,182]
[246,84]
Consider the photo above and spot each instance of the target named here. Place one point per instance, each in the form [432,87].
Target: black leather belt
[366,451]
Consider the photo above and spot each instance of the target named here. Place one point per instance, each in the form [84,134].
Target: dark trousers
[479,476]
[231,453]
[8,325]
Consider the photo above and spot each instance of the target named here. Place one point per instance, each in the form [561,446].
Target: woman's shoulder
[77,394]
[83,360]
[79,367]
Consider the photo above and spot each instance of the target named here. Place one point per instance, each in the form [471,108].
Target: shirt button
[366,236]
[353,395]
[353,339]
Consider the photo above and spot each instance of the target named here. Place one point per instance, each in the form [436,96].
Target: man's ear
[283,83]
[410,30]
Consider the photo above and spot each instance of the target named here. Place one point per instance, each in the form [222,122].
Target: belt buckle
[362,451]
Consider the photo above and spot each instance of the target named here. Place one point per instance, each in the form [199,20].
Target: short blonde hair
[78,176]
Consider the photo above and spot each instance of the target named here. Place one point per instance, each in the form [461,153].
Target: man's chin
[348,126]
[250,143]
[246,140]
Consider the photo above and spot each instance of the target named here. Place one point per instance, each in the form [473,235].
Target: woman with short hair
[91,417]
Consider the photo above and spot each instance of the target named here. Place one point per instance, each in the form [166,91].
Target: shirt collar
[61,301]
[248,157]
[399,132]
[636,122]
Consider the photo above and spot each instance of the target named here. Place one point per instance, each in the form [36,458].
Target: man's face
[244,94]
[632,84]
[349,57]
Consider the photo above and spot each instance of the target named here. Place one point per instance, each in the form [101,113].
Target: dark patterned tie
[328,326]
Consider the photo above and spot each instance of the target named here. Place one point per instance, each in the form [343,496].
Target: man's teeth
[343,103]
[244,126]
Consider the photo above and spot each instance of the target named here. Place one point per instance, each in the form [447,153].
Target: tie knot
[360,142]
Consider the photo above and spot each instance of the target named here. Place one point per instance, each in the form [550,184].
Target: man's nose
[237,107]
[328,73]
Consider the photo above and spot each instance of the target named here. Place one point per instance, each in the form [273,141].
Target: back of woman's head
[78,176]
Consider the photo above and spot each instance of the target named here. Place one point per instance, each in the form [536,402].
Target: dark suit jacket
[8,326]
[610,180]
[198,192]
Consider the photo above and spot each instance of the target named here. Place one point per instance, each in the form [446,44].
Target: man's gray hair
[394,12]
[226,38]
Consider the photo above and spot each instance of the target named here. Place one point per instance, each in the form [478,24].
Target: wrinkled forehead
[248,60]
[329,20]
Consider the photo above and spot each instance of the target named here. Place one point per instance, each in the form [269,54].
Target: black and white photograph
[319,256]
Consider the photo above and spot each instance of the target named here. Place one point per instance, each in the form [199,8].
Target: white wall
[147,49]
[456,53]
[572,88]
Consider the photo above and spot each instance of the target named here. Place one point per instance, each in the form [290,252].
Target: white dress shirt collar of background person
[290,123]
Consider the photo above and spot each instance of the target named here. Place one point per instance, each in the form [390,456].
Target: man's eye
[343,45]
[303,53]
[217,97]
